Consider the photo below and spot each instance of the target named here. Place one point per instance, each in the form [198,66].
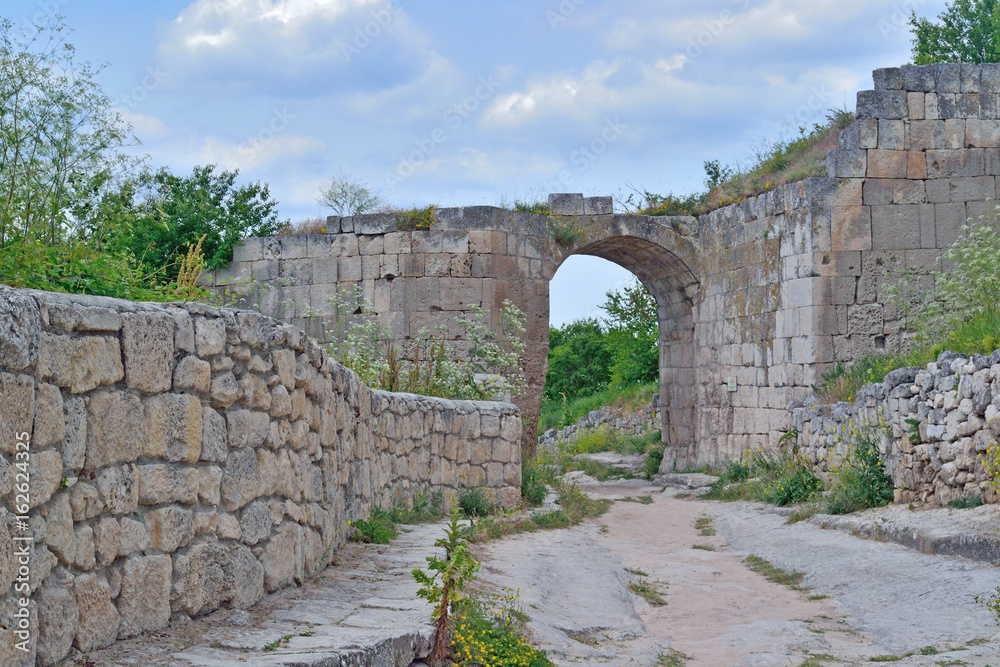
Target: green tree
[633,334]
[348,197]
[579,360]
[62,144]
[157,216]
[968,31]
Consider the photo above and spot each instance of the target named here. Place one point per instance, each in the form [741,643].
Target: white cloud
[257,152]
[300,47]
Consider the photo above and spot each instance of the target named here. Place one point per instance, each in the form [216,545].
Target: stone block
[169,528]
[949,219]
[459,293]
[246,428]
[895,227]
[46,471]
[968,105]
[225,390]
[114,428]
[916,104]
[908,192]
[240,479]
[567,204]
[160,484]
[50,422]
[877,191]
[17,396]
[938,191]
[283,558]
[173,427]
[887,163]
[919,79]
[954,133]
[118,489]
[209,336]
[85,499]
[133,537]
[975,188]
[888,78]
[916,166]
[846,163]
[148,349]
[851,227]
[865,320]
[58,618]
[98,618]
[144,601]
[891,135]
[215,436]
[194,375]
[210,485]
[598,206]
[255,522]
[80,364]
[20,327]
[349,269]
[927,135]
[107,541]
[982,133]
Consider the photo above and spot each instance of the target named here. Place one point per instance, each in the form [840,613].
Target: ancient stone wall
[184,458]
[757,299]
[954,408]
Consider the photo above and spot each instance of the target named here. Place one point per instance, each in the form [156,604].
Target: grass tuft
[775,574]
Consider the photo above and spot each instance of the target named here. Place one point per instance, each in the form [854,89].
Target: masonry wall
[184,458]
[954,405]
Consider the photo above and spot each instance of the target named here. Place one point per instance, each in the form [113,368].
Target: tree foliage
[348,197]
[579,360]
[633,333]
[967,31]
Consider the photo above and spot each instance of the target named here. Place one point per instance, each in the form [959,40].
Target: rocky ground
[862,598]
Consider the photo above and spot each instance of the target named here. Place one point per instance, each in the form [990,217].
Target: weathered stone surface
[17,396]
[114,428]
[118,489]
[210,485]
[85,555]
[107,541]
[209,336]
[50,424]
[133,537]
[144,602]
[174,428]
[240,479]
[74,444]
[79,364]
[85,500]
[45,472]
[161,484]
[229,528]
[225,390]
[193,374]
[201,580]
[246,428]
[20,326]
[58,617]
[215,436]
[98,618]
[244,577]
[255,521]
[282,558]
[169,528]
[8,564]
[148,349]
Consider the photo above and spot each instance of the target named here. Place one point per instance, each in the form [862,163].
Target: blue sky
[462,103]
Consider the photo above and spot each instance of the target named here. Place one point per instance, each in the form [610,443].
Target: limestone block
[148,349]
[240,479]
[209,485]
[567,204]
[954,133]
[229,528]
[133,537]
[862,134]
[887,163]
[169,528]
[247,428]
[209,336]
[281,403]
[225,390]
[916,166]
[114,428]
[215,436]
[17,396]
[955,163]
[283,558]
[173,427]
[79,364]
[284,366]
[890,135]
[50,422]
[205,522]
[85,500]
[888,78]
[118,489]
[193,374]
[58,618]
[851,227]
[255,521]
[244,576]
[144,602]
[927,135]
[59,530]
[254,392]
[85,553]
[98,618]
[46,472]
[895,227]
[916,105]
[908,192]
[865,320]
[107,541]
[890,104]
[200,581]
[160,484]
[978,188]
[20,327]
[847,163]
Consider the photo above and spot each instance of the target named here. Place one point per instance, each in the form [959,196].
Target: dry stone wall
[184,458]
[933,426]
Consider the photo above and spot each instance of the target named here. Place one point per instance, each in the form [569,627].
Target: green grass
[777,477]
[967,502]
[555,415]
[704,527]
[703,547]
[775,574]
[673,658]
[642,500]
[647,590]
[475,504]
[574,507]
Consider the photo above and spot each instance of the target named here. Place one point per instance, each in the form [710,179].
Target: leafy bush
[475,504]
[651,466]
[777,477]
[534,477]
[860,481]
[556,414]
[490,631]
[378,528]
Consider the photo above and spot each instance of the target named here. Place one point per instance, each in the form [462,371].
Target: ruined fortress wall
[184,458]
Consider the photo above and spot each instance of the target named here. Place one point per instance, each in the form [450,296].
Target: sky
[471,103]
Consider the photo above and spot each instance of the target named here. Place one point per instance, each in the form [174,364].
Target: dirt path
[884,600]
